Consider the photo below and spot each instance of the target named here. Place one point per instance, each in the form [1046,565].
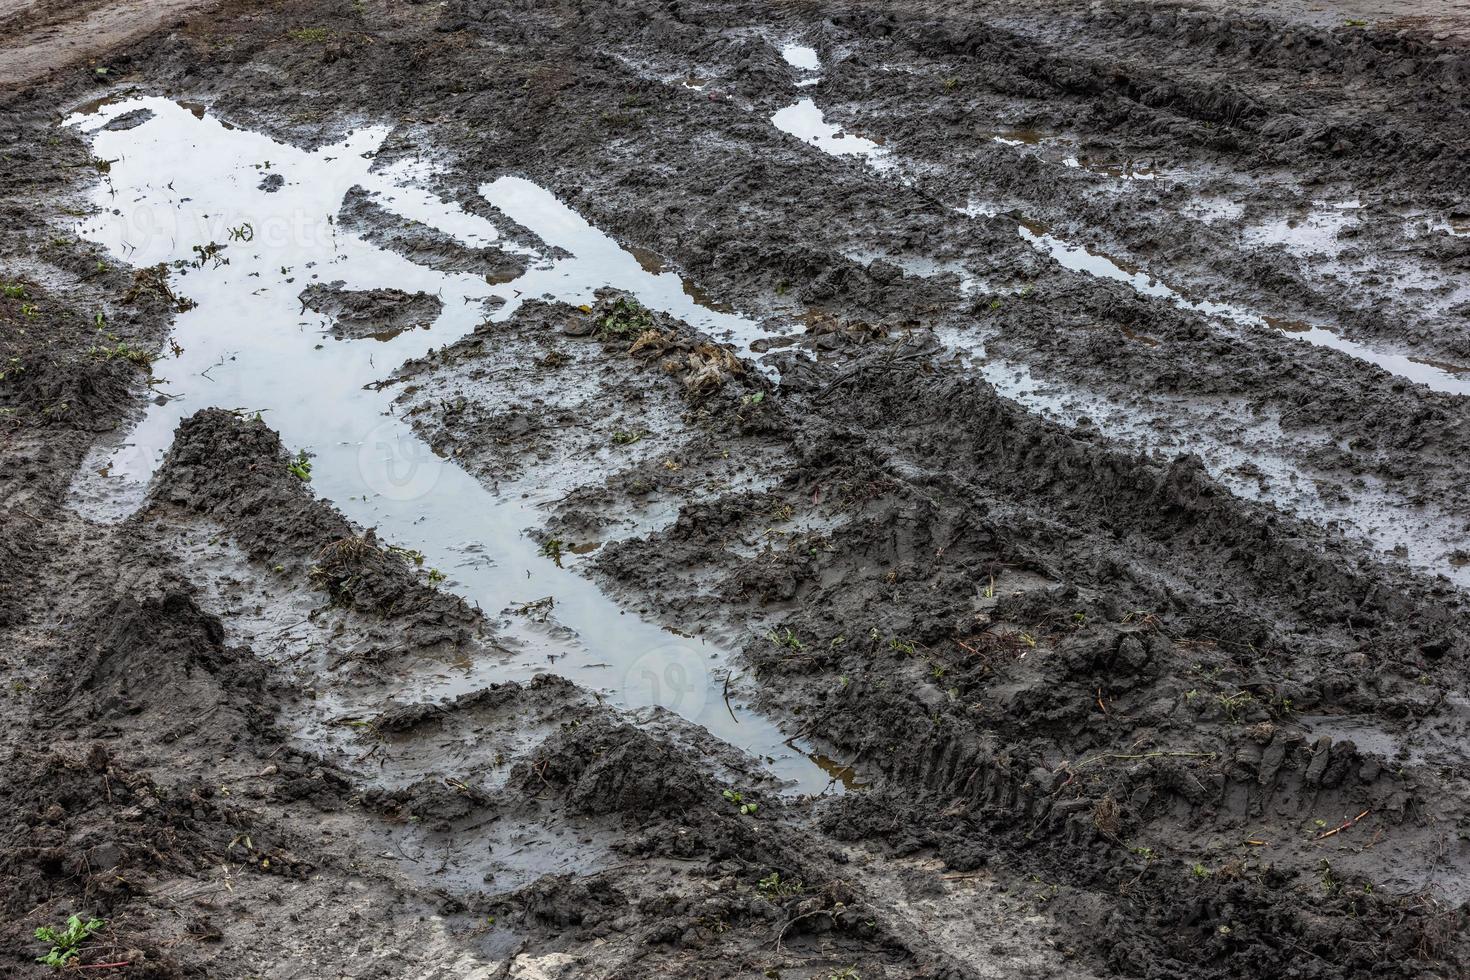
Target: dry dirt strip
[32,50]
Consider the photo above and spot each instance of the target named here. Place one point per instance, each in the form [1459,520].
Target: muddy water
[1252,465]
[1078,258]
[183,179]
[807,123]
[805,60]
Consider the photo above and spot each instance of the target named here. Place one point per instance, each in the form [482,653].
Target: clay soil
[1166,674]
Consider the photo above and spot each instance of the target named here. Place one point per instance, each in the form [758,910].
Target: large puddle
[182,179]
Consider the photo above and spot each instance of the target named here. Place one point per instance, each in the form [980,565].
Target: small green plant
[755,399]
[746,809]
[30,310]
[14,290]
[123,351]
[1200,871]
[904,647]
[786,638]
[846,973]
[300,467]
[626,317]
[309,35]
[408,554]
[435,576]
[950,84]
[1236,704]
[552,549]
[243,233]
[772,886]
[66,942]
[626,437]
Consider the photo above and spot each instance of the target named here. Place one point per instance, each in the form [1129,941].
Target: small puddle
[804,59]
[1247,465]
[1051,144]
[807,123]
[1435,375]
[1118,171]
[183,178]
[1312,233]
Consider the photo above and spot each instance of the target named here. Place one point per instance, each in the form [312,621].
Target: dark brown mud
[1093,505]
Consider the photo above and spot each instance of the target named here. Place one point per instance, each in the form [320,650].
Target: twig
[1345,825]
[727,699]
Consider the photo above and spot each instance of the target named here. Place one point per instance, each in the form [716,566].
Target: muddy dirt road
[818,490]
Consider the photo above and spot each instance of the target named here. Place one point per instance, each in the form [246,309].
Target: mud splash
[243,253]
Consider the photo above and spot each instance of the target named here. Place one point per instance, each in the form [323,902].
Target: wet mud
[706,490]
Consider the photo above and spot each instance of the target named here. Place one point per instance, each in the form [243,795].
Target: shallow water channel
[182,178]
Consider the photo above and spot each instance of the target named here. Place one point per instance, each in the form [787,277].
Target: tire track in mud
[1397,525]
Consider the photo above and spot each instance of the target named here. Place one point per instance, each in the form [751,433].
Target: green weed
[409,554]
[626,437]
[786,638]
[13,290]
[626,317]
[123,351]
[1236,704]
[66,942]
[552,549]
[772,886]
[300,467]
[746,809]
[309,35]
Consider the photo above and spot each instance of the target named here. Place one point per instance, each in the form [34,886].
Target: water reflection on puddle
[1435,375]
[182,179]
[807,123]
